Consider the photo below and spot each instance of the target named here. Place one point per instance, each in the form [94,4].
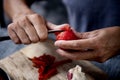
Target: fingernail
[57,51]
[57,43]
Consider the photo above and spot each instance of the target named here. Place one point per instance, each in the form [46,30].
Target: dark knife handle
[53,31]
[49,31]
[4,38]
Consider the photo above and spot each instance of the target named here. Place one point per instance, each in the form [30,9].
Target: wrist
[22,13]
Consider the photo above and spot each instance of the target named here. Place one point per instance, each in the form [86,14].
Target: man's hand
[27,29]
[27,26]
[98,45]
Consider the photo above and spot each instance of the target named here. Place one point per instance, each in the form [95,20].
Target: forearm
[15,8]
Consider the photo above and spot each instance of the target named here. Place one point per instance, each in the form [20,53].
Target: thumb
[50,25]
[54,27]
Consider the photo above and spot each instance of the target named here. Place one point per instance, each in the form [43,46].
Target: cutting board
[19,67]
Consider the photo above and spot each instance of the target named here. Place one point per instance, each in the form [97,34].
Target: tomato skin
[47,66]
[67,34]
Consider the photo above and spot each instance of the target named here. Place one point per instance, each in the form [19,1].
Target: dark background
[1,14]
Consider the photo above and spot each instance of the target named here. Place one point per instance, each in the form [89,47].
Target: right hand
[98,45]
[27,29]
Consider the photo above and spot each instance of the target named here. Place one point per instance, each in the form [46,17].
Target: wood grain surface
[19,67]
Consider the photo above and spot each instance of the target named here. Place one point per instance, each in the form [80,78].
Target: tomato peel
[67,34]
[47,67]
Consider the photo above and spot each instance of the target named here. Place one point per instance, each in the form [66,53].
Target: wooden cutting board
[19,67]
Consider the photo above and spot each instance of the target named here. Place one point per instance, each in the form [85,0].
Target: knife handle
[4,38]
[53,31]
[8,38]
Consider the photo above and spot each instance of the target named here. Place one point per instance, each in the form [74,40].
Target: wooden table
[19,67]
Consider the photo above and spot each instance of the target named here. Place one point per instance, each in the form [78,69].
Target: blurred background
[52,10]
[55,12]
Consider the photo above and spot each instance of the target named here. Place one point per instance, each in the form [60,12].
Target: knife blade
[3,38]
[53,31]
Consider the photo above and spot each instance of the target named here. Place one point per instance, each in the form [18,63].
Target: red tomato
[67,34]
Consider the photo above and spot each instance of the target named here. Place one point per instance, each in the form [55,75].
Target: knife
[4,75]
[3,38]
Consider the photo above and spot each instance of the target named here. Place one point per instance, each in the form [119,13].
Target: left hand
[98,45]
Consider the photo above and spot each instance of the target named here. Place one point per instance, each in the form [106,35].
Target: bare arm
[27,27]
[15,8]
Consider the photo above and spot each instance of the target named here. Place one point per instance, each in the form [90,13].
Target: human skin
[98,45]
[27,26]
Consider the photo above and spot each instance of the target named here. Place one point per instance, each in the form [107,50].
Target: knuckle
[24,18]
[23,22]
[34,39]
[16,41]
[38,18]
[35,16]
[15,27]
[25,41]
[43,37]
[10,26]
[28,42]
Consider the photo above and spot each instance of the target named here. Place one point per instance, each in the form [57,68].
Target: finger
[86,35]
[55,27]
[87,55]
[30,30]
[21,34]
[51,25]
[39,25]
[13,35]
[81,44]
